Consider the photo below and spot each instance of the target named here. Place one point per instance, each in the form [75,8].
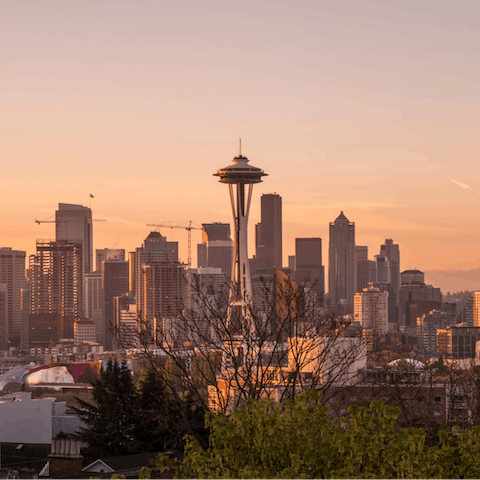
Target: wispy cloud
[462,185]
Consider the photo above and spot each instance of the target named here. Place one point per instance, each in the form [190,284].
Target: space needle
[239,175]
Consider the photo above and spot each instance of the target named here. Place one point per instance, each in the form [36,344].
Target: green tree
[123,419]
[165,418]
[297,439]
[112,417]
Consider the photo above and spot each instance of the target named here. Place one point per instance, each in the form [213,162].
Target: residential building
[427,326]
[84,331]
[371,309]
[457,341]
[94,303]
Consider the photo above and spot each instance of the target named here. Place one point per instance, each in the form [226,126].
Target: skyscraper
[216,251]
[154,251]
[308,263]
[391,251]
[476,309]
[12,274]
[269,232]
[73,223]
[114,284]
[363,267]
[108,254]
[155,248]
[341,269]
[415,299]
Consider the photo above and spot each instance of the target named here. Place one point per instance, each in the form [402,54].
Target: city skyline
[366,108]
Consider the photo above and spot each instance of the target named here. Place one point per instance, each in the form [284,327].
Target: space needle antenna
[240,146]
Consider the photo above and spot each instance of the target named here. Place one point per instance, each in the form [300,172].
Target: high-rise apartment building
[12,274]
[371,309]
[94,303]
[342,269]
[269,232]
[56,282]
[308,264]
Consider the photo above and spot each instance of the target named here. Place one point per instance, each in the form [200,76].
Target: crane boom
[55,221]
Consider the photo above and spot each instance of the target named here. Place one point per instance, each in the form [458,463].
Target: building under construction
[56,291]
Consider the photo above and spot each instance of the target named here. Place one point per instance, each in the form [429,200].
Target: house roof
[24,456]
[124,462]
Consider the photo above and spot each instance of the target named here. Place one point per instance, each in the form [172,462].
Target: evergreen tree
[112,418]
[166,417]
[125,420]
[153,428]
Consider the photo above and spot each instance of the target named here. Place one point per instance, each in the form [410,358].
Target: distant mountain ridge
[454,280]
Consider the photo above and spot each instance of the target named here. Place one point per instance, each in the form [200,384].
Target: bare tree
[280,345]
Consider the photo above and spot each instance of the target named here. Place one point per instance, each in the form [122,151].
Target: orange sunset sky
[370,107]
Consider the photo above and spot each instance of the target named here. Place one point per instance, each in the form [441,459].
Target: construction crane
[55,221]
[189,228]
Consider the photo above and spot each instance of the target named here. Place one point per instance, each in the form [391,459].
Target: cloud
[462,185]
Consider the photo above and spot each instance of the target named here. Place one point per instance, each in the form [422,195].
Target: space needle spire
[240,177]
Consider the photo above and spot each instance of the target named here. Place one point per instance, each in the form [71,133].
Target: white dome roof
[412,362]
[50,375]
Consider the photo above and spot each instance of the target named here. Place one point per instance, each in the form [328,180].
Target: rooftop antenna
[240,146]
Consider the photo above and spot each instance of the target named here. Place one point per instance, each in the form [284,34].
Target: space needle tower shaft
[240,177]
